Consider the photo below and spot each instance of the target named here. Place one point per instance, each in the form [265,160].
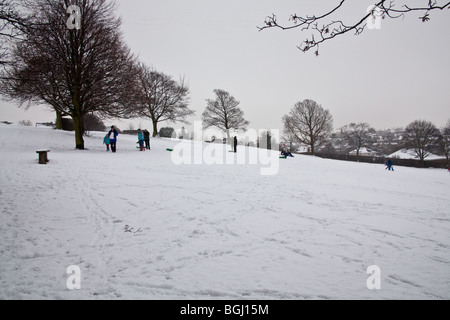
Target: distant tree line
[309,124]
[76,63]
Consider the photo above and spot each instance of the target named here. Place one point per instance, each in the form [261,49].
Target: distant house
[411,154]
[364,152]
[303,149]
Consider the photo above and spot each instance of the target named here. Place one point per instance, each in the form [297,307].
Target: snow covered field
[214,231]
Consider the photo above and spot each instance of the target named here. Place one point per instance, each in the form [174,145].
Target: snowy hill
[214,231]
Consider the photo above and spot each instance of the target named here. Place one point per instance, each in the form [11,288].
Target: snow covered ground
[214,231]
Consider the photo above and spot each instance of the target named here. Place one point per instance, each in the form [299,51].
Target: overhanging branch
[324,31]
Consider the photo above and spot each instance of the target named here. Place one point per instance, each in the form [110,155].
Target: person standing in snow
[141,140]
[112,134]
[147,139]
[235,144]
[107,142]
[389,165]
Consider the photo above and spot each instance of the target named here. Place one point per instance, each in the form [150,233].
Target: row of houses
[370,153]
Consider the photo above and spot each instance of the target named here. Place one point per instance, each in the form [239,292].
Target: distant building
[303,149]
[364,152]
[411,154]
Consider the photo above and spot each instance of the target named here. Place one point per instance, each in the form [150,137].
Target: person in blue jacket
[141,140]
[107,142]
[112,134]
[389,165]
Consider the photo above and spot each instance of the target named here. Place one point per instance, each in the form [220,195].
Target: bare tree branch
[324,31]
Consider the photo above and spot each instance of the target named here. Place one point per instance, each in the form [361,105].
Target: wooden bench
[43,159]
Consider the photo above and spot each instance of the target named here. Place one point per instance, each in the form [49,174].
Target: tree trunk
[312,148]
[155,128]
[357,155]
[58,125]
[228,137]
[79,131]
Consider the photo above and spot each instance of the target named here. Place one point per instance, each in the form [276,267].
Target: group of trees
[70,56]
[310,124]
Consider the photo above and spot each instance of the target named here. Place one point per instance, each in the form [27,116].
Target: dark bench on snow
[43,159]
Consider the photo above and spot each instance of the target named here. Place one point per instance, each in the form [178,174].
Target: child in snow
[389,165]
[107,142]
[141,140]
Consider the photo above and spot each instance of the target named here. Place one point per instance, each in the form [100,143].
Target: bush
[26,123]
[166,132]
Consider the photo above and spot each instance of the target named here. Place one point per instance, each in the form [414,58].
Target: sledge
[283,157]
[168,149]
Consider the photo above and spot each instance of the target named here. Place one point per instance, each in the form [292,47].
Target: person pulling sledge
[389,165]
[106,141]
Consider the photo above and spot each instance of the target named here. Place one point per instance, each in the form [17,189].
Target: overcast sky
[388,77]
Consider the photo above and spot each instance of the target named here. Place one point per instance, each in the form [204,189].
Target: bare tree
[309,123]
[421,136]
[444,141]
[223,113]
[161,98]
[77,71]
[325,26]
[356,135]
[12,23]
